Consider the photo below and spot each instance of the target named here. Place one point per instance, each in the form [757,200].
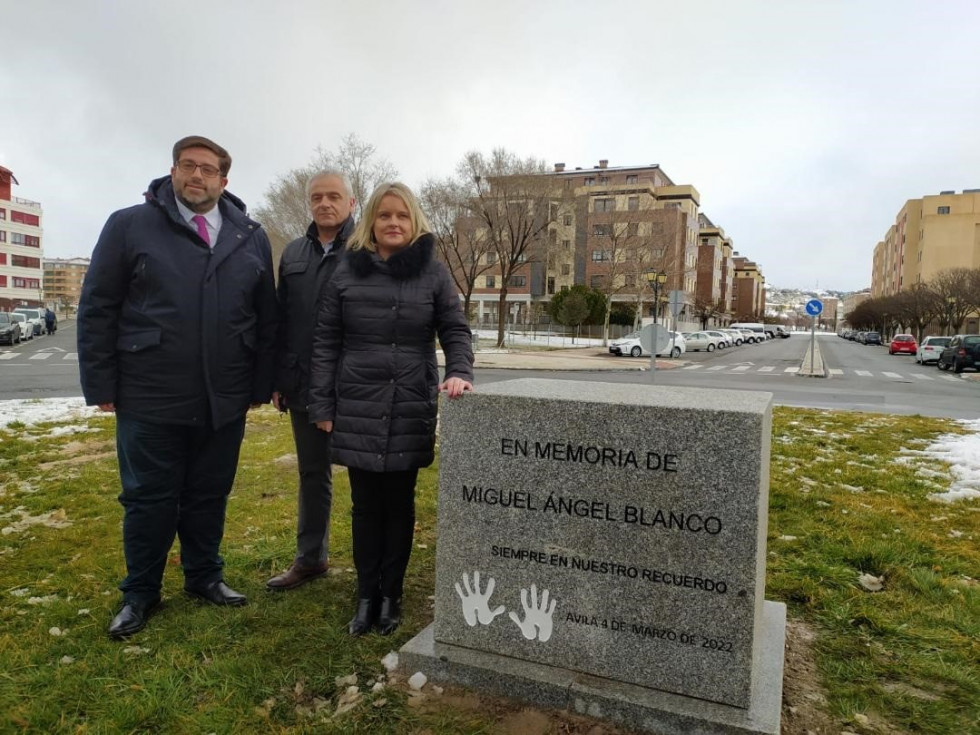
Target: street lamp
[656,279]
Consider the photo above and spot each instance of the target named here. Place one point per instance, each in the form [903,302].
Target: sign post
[814,307]
[653,338]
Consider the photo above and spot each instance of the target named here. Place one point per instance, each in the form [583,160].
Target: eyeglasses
[188,167]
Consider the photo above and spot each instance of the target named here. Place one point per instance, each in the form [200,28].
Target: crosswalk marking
[693,367]
[767,369]
[920,376]
[892,375]
[791,370]
[836,371]
[863,373]
[9,355]
[71,357]
[950,377]
[40,356]
[718,367]
[741,368]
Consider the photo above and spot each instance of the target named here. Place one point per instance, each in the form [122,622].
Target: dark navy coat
[374,371]
[170,330]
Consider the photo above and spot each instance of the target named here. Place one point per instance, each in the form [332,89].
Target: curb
[819,369]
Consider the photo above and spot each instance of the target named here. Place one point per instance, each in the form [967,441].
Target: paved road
[863,378]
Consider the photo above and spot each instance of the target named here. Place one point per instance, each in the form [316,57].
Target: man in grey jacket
[307,264]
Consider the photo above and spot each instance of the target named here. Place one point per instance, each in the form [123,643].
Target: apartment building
[63,279]
[21,275]
[609,227]
[851,302]
[715,271]
[749,289]
[930,235]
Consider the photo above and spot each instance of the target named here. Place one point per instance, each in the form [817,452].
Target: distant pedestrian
[306,266]
[50,321]
[374,384]
[176,335]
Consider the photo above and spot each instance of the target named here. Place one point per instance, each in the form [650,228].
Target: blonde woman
[375,384]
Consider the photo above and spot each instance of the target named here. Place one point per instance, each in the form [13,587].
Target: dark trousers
[175,482]
[383,525]
[315,490]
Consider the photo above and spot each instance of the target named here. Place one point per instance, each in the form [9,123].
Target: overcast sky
[805,126]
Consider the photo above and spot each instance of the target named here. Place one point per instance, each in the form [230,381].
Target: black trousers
[315,490]
[383,526]
[175,482]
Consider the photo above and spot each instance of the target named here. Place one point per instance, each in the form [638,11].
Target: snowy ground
[960,451]
[538,339]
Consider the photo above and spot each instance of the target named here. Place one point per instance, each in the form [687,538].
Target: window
[24,218]
[590,180]
[491,281]
[3,236]
[3,280]
[3,259]
[553,211]
[22,261]
[552,237]
[599,256]
[597,282]
[605,205]
[601,230]
[632,229]
[629,281]
[551,285]
[517,281]
[491,258]
[565,269]
[3,214]
[17,238]
[942,210]
[603,180]
[566,244]
[633,204]
[631,179]
[31,283]
[567,220]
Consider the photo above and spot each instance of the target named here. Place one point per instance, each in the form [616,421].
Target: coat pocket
[138,340]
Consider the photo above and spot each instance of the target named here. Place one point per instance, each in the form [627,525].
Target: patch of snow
[962,453]
[44,409]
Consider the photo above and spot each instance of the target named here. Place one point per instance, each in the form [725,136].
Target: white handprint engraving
[475,603]
[537,620]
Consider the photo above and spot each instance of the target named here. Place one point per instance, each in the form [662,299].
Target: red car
[903,343]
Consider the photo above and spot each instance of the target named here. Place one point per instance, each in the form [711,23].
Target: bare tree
[954,297]
[707,310]
[285,213]
[515,204]
[461,242]
[917,307]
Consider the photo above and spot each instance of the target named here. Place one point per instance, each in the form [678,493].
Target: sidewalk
[578,358]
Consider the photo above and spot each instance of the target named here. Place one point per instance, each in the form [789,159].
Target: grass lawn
[849,511]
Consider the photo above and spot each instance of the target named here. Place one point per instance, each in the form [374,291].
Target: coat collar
[340,241]
[406,263]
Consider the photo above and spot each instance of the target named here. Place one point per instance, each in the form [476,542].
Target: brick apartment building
[749,289]
[715,270]
[63,279]
[609,227]
[20,247]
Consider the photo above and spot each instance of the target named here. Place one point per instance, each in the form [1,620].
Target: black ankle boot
[391,615]
[365,616]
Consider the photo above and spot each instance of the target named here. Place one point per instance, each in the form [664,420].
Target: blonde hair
[363,236]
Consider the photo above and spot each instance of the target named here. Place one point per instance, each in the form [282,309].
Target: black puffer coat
[374,371]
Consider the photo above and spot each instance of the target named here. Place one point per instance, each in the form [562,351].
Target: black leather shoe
[391,615]
[365,616]
[131,619]
[217,593]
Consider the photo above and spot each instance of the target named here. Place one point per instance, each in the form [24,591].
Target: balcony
[26,203]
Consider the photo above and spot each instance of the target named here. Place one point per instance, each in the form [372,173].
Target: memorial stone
[601,545]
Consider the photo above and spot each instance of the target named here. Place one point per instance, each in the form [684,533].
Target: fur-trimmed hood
[406,263]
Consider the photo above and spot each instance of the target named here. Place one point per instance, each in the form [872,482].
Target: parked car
[903,343]
[872,338]
[34,316]
[963,351]
[9,329]
[930,348]
[752,337]
[737,338]
[630,345]
[697,341]
[26,327]
[782,331]
[723,336]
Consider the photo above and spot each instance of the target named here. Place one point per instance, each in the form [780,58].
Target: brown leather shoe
[295,576]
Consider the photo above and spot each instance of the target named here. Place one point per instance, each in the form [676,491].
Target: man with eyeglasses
[176,336]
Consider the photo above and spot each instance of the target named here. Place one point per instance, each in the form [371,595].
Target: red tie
[202,228]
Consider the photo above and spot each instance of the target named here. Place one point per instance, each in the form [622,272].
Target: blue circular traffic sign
[814,307]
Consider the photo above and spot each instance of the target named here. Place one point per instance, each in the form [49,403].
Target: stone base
[622,704]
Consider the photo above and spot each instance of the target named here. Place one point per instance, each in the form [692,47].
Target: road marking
[9,355]
[40,356]
[920,376]
[836,371]
[950,377]
[892,375]
[768,369]
[693,367]
[51,349]
[71,356]
[718,367]
[863,373]
[791,370]
[740,369]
